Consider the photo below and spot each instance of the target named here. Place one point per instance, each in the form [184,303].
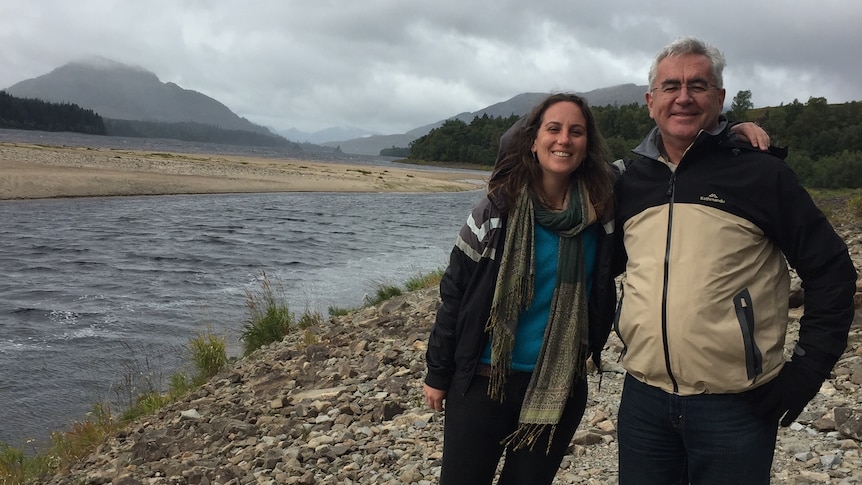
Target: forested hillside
[458,142]
[824,140]
[35,114]
[191,131]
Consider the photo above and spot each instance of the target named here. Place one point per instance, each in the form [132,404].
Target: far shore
[29,171]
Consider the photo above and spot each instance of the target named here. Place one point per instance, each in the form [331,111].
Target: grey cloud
[390,66]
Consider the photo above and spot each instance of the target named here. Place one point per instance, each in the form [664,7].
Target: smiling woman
[37,171]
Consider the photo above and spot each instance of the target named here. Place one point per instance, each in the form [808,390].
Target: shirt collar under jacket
[651,146]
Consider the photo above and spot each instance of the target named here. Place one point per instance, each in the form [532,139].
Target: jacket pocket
[745,316]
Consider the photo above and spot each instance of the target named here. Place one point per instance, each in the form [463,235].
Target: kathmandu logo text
[712,198]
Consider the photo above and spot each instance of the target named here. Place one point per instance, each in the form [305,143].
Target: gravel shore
[348,409]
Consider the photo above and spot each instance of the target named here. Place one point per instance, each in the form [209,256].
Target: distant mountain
[119,91]
[519,105]
[327,135]
[294,135]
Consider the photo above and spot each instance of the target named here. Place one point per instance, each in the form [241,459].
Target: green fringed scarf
[564,348]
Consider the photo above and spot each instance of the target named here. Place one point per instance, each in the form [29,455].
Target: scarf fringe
[502,338]
[518,296]
[500,368]
[502,343]
[527,435]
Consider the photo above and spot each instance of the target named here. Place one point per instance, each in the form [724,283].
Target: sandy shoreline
[30,171]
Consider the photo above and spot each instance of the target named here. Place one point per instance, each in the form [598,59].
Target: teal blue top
[532,321]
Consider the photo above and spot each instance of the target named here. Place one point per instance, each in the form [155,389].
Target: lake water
[96,289]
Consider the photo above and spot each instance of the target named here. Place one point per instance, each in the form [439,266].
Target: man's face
[683,98]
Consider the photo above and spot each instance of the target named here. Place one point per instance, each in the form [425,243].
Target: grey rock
[849,422]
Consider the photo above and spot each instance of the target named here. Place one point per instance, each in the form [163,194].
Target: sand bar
[29,171]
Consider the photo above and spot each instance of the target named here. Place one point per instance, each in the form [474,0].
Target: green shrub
[854,204]
[142,375]
[17,468]
[335,311]
[12,462]
[422,281]
[181,384]
[311,338]
[269,318]
[309,319]
[209,355]
[84,436]
[146,404]
[382,293]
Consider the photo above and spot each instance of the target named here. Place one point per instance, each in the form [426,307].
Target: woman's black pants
[474,426]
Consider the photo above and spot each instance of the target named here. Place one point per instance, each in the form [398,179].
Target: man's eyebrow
[692,80]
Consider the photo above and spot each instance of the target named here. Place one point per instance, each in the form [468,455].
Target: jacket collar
[651,146]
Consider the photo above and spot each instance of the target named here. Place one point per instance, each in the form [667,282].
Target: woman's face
[561,142]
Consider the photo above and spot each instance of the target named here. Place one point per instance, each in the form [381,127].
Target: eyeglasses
[694,88]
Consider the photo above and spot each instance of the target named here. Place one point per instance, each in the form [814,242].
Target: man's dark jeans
[704,439]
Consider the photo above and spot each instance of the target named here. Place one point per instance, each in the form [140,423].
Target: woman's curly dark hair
[516,166]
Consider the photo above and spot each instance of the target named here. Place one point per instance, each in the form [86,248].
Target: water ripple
[93,284]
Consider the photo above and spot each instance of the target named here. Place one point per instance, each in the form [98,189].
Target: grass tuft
[209,355]
[17,468]
[309,319]
[382,293]
[422,281]
[335,311]
[854,205]
[841,206]
[84,436]
[269,318]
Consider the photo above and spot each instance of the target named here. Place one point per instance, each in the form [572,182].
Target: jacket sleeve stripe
[473,238]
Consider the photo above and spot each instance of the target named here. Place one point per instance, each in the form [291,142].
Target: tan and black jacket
[705,294]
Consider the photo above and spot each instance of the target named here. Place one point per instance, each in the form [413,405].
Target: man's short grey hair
[691,45]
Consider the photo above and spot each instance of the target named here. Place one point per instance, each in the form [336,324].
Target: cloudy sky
[390,66]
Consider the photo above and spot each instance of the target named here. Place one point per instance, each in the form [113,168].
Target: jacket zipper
[745,316]
[670,194]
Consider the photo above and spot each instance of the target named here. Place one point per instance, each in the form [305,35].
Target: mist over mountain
[519,105]
[119,91]
[334,133]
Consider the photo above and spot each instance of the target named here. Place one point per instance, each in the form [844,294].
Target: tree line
[35,114]
[824,140]
[457,142]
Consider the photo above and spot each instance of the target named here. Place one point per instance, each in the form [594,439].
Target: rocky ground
[348,410]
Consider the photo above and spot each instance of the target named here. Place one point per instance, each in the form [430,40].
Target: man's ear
[649,100]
